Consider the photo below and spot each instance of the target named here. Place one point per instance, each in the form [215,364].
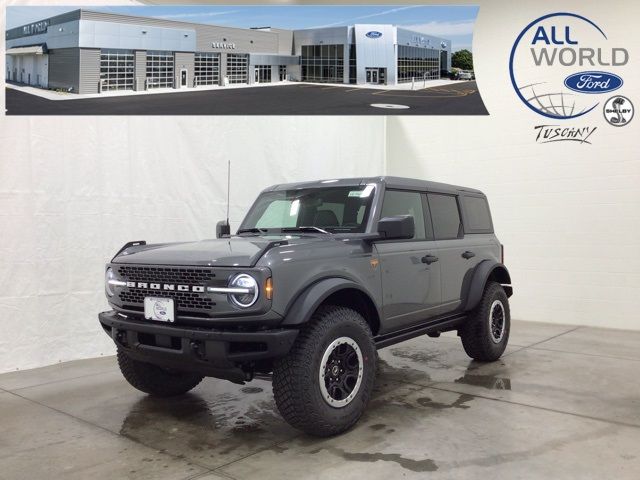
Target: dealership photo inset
[213,60]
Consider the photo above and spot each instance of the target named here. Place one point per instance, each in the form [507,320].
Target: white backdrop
[74,190]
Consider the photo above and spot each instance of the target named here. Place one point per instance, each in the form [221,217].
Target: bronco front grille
[186,301]
[181,275]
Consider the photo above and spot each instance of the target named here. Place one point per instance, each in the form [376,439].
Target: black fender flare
[307,302]
[478,279]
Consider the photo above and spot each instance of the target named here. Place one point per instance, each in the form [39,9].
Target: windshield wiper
[252,230]
[305,229]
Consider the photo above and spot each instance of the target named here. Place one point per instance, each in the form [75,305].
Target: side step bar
[432,326]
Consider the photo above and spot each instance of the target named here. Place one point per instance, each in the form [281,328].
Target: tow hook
[121,337]
[196,348]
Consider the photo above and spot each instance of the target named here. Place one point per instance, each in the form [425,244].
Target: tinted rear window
[445,216]
[477,214]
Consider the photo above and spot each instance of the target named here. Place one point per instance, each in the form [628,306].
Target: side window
[477,214]
[445,216]
[405,203]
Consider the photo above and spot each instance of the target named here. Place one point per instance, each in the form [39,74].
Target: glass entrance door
[373,75]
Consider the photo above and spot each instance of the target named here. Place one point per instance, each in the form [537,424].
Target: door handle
[468,255]
[429,259]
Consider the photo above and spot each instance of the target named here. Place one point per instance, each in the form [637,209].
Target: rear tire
[155,380]
[324,384]
[486,332]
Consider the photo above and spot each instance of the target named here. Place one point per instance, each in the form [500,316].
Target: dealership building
[85,51]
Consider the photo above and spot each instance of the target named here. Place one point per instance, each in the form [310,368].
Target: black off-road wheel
[486,333]
[154,380]
[324,384]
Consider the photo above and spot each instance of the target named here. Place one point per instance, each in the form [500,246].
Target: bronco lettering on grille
[166,286]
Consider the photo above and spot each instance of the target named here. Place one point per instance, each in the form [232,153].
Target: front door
[183,77]
[372,75]
[410,278]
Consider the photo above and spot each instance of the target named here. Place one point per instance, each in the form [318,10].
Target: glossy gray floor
[563,402]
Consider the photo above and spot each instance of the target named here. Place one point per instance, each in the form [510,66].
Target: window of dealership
[206,68]
[237,68]
[322,63]
[159,69]
[418,63]
[116,69]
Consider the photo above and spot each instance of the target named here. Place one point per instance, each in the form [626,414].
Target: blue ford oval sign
[373,34]
[593,82]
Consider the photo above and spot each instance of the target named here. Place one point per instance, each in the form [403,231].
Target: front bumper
[217,353]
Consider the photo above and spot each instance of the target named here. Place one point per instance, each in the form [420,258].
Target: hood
[223,252]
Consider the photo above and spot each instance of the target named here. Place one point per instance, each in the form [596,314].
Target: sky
[451,22]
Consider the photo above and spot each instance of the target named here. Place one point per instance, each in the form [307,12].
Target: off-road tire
[476,334]
[296,386]
[155,380]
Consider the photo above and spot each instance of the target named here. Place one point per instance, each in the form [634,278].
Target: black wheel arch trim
[474,283]
[307,302]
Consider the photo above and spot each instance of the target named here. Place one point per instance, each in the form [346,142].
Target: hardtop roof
[387,181]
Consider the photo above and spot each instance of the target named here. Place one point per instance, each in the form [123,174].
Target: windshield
[313,210]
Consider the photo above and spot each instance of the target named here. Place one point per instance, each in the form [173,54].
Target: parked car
[466,75]
[319,276]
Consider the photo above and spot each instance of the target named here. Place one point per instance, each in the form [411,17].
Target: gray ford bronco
[317,278]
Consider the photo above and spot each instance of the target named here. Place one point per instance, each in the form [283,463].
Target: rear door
[410,287]
[456,251]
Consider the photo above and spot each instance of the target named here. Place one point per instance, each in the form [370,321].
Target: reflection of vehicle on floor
[317,278]
[466,75]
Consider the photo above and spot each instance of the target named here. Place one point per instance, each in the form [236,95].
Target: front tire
[324,384]
[154,380]
[486,333]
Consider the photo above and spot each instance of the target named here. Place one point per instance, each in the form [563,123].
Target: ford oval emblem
[593,82]
[374,34]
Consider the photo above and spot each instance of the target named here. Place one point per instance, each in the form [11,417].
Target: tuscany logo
[557,68]
[557,133]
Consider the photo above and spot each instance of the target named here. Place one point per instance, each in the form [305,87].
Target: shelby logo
[593,82]
[544,60]
[373,34]
[618,111]
[165,286]
[556,133]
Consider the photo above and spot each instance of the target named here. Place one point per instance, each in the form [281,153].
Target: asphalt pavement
[298,99]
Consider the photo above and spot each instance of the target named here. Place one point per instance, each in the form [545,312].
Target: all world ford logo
[593,82]
[373,34]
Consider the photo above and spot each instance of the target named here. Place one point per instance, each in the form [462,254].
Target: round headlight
[109,276]
[247,293]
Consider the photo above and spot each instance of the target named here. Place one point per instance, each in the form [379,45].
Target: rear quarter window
[477,215]
[445,216]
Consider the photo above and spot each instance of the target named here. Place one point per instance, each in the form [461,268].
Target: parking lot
[298,99]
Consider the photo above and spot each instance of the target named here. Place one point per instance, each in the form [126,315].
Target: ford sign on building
[89,52]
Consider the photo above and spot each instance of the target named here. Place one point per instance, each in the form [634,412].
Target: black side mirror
[397,227]
[223,229]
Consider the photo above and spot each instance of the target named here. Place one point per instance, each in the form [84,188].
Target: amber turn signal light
[268,288]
